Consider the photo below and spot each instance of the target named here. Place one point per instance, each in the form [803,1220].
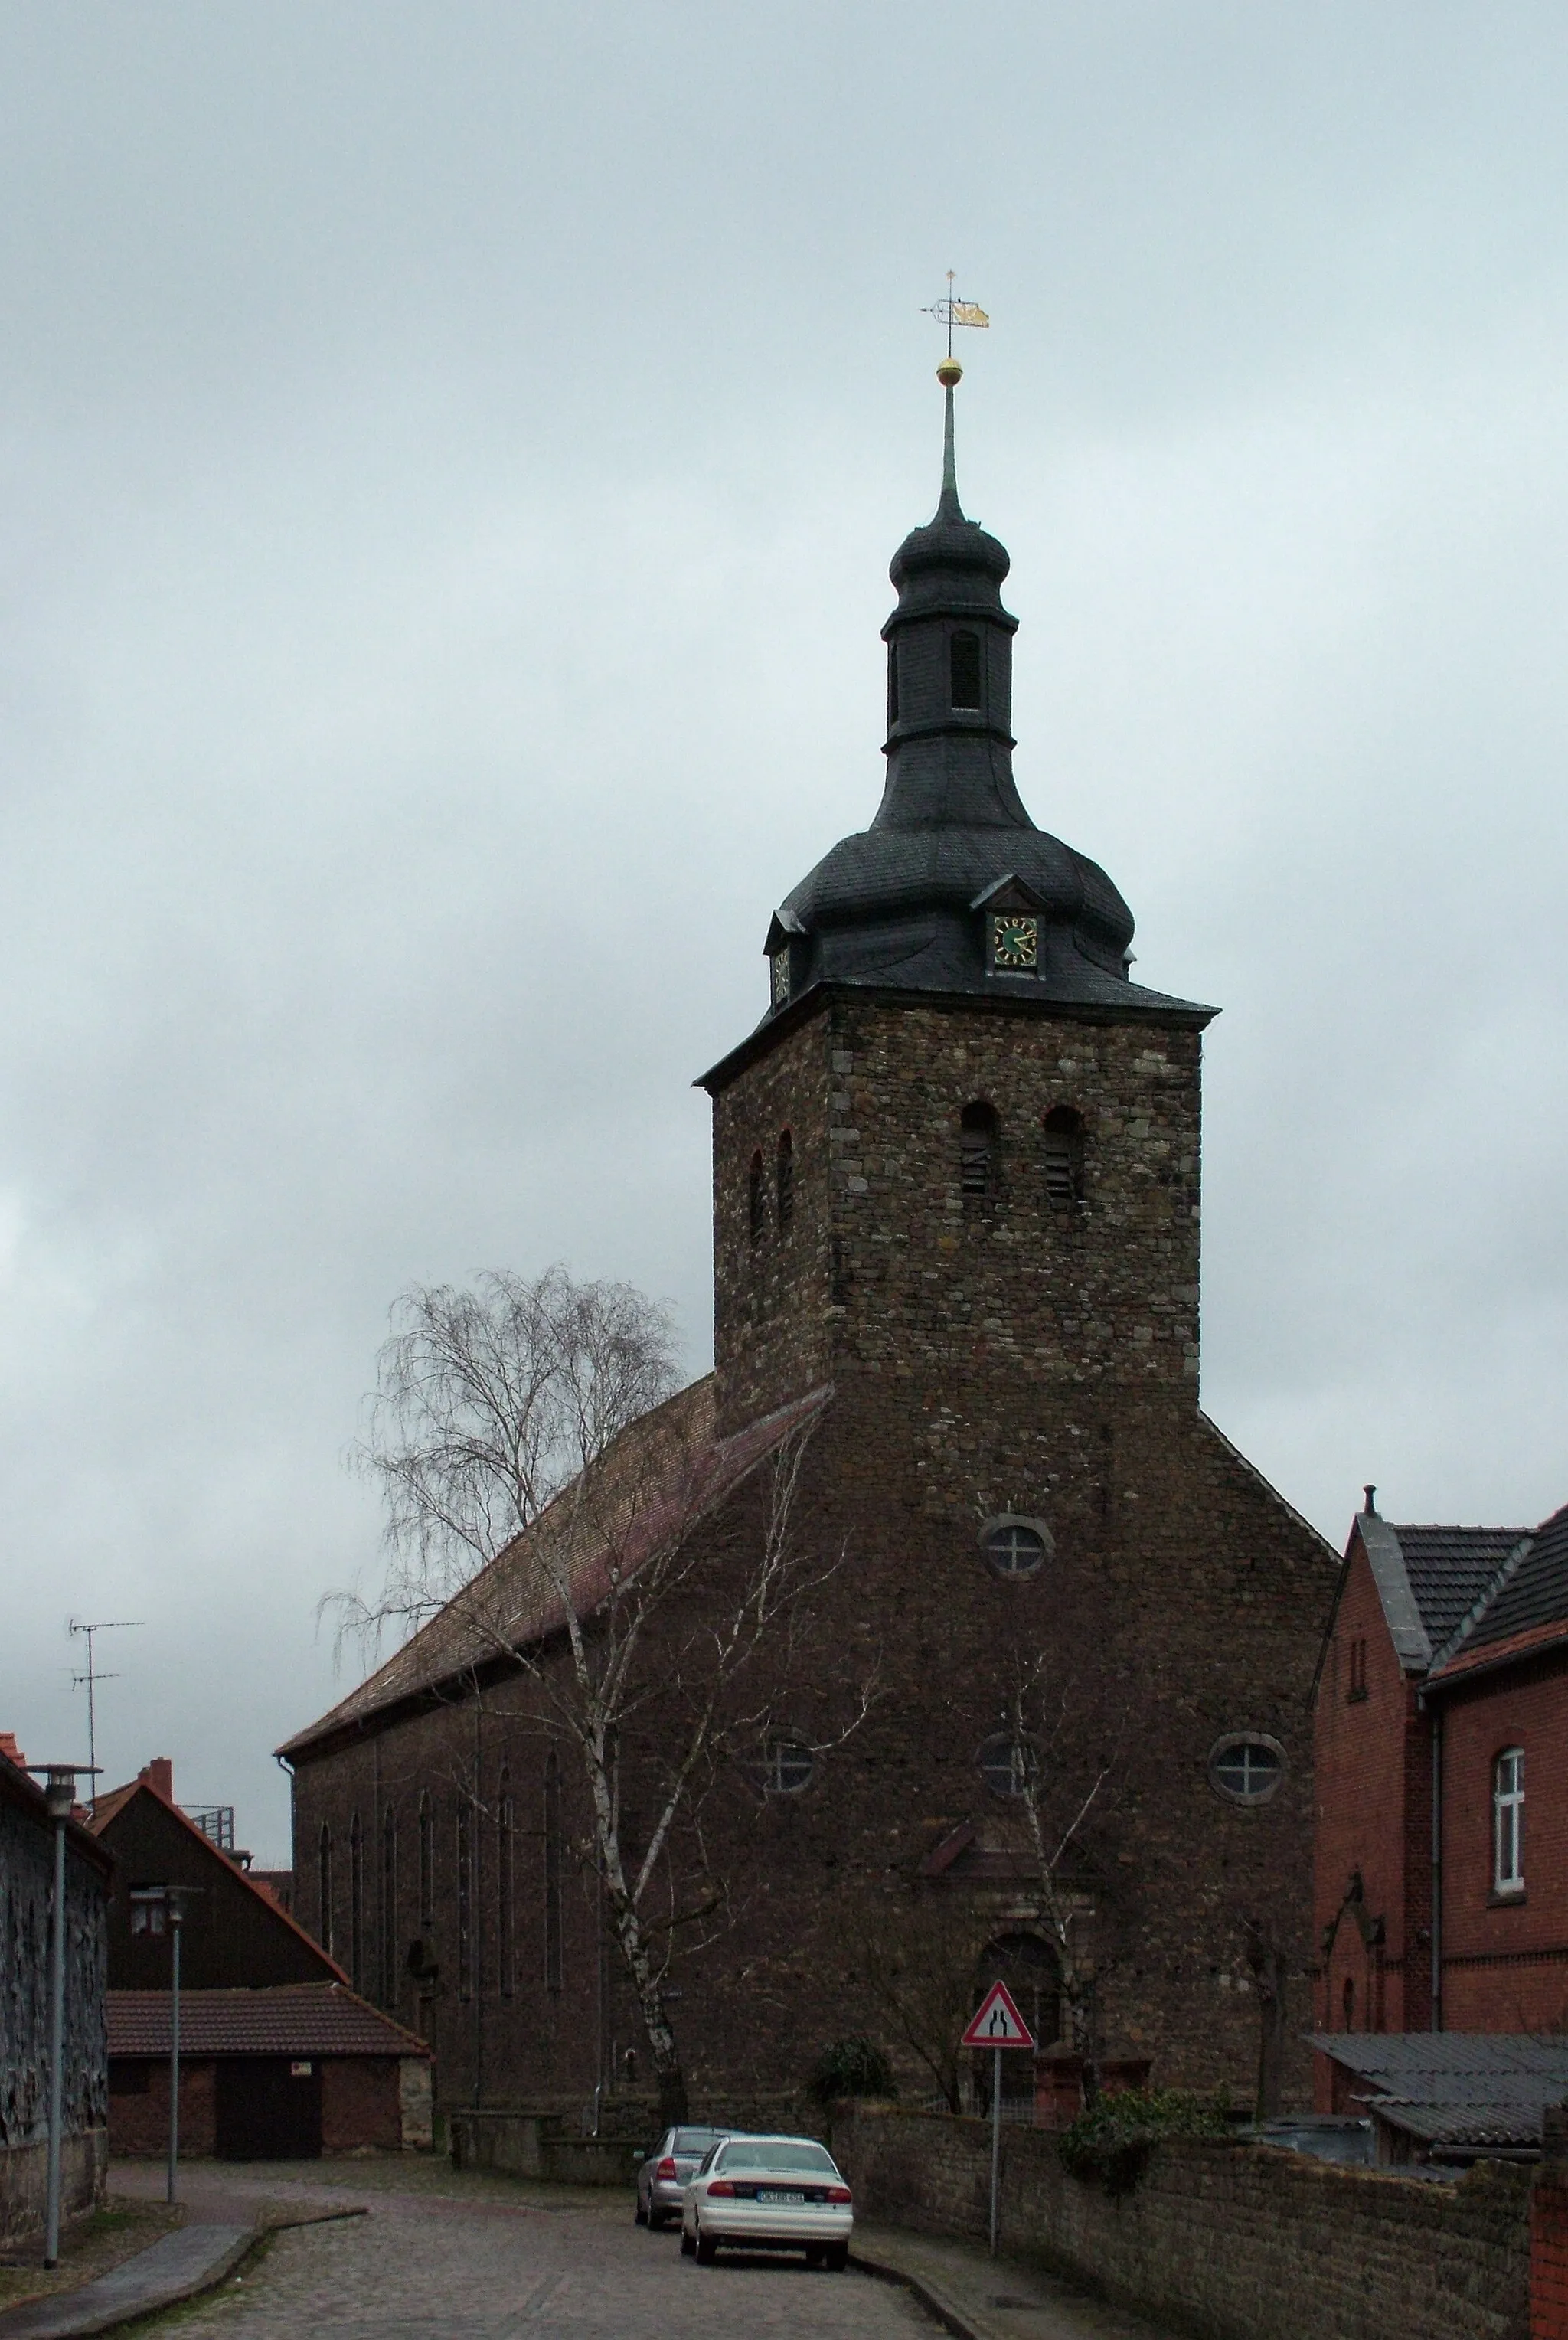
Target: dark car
[662,2180]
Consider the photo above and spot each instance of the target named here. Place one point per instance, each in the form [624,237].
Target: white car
[768,2194]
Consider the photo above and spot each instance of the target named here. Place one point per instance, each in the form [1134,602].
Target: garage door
[269,2108]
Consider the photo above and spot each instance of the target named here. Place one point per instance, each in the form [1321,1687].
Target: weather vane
[951,312]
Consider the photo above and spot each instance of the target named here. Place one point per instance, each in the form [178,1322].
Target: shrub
[852,2068]
[1114,2138]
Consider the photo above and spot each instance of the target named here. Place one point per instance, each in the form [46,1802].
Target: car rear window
[764,2156]
[694,2140]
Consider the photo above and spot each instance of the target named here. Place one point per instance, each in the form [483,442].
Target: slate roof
[1455,2089]
[658,1477]
[1449,1569]
[307,2018]
[1534,1594]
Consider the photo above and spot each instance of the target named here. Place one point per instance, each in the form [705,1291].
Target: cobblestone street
[437,2264]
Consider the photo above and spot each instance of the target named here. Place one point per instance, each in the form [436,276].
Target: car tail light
[667,2168]
[839,2194]
[722,2185]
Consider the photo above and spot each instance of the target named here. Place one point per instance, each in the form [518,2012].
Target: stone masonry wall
[1229,2241]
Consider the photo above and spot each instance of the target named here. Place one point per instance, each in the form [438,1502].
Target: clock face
[781,975]
[1014,942]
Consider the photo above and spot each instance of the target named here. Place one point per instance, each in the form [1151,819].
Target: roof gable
[126,1814]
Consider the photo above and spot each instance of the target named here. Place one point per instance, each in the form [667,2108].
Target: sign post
[997,2024]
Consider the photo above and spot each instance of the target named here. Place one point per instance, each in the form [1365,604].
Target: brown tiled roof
[656,1479]
[305,2018]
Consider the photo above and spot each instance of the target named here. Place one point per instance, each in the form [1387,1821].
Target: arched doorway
[1028,1967]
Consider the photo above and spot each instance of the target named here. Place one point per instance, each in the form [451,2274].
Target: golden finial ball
[949,374]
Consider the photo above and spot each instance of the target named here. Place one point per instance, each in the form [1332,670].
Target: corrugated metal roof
[1399,2058]
[1513,2122]
[309,2018]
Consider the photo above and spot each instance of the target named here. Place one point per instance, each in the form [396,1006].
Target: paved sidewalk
[982,2298]
[186,2262]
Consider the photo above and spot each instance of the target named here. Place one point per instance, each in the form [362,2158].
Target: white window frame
[1508,1821]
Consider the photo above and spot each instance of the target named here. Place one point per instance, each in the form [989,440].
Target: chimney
[159,1774]
[1371,1504]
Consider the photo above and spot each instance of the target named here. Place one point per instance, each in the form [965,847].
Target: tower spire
[948,507]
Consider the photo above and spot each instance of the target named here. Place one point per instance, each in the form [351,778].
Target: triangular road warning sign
[997,2023]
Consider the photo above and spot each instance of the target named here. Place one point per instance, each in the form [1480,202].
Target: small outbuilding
[271,2075]
[280,2058]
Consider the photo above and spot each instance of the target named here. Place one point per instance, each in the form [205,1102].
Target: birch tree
[545,1487]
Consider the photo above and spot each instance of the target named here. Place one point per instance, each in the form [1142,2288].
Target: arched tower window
[389,1907]
[1064,1157]
[978,1151]
[964,658]
[356,1903]
[756,1209]
[325,1888]
[892,684]
[552,1928]
[505,1838]
[786,1180]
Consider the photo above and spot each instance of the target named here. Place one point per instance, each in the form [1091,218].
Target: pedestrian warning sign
[997,2023]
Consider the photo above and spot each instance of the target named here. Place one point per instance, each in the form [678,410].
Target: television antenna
[92,1677]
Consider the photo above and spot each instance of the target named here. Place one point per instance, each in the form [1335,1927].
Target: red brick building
[1440,1737]
[956,1211]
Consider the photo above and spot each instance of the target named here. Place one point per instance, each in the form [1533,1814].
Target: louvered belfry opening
[756,1209]
[892,684]
[964,653]
[1064,1157]
[977,1152]
[786,1180]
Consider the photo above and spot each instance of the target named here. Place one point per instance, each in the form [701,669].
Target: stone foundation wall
[24,2183]
[1234,2242]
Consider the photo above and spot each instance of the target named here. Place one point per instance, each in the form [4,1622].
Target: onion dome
[953,889]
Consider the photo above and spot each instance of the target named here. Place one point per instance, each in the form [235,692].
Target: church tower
[959,1157]
[956,1180]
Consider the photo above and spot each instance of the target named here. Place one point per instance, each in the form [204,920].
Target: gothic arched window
[964,658]
[505,1838]
[464,1896]
[786,1180]
[356,1903]
[552,1926]
[426,1864]
[389,1907]
[978,1151]
[1064,1157]
[756,1209]
[325,1888]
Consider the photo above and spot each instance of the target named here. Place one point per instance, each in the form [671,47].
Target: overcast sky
[450,458]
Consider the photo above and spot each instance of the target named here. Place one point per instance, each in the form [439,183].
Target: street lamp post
[175,1897]
[60,1794]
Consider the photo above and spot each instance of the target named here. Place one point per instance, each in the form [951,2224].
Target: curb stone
[934,2300]
[201,2257]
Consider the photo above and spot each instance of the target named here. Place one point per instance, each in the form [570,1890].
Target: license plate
[773,2194]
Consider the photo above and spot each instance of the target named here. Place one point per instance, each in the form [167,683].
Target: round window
[787,1767]
[1005,1765]
[1247,1766]
[1015,1547]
